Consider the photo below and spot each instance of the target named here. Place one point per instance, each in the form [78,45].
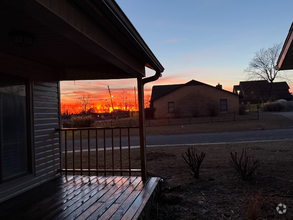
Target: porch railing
[100,151]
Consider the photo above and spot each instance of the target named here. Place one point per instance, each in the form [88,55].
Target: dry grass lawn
[266,121]
[219,193]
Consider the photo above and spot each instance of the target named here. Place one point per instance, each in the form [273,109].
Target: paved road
[181,139]
[223,137]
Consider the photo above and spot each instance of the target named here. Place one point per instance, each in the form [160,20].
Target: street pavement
[188,139]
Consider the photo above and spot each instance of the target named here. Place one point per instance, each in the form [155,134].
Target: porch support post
[143,152]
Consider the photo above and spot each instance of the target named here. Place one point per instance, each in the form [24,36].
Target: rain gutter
[152,78]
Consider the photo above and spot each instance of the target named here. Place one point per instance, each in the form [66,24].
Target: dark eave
[129,30]
[113,12]
[285,61]
[79,40]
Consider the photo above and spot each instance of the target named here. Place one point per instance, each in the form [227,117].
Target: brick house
[192,99]
[259,91]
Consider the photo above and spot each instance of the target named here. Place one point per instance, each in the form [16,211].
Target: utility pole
[111,98]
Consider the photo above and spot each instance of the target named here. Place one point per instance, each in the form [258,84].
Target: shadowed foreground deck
[84,197]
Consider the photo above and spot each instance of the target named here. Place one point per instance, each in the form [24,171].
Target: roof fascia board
[285,49]
[120,19]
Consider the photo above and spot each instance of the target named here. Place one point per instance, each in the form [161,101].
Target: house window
[13,127]
[223,105]
[171,107]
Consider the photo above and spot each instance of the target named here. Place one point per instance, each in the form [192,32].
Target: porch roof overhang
[80,40]
[285,60]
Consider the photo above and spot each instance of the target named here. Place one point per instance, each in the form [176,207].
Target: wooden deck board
[82,197]
[65,191]
[78,206]
[63,200]
[117,204]
[92,203]
[108,201]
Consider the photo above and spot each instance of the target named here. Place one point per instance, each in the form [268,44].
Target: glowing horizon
[208,41]
[122,91]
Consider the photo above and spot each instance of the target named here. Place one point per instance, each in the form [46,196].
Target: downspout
[143,154]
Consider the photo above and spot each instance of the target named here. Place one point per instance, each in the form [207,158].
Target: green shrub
[272,107]
[213,109]
[287,106]
[82,121]
[195,113]
[242,110]
[176,113]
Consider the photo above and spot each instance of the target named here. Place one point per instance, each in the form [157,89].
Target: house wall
[252,92]
[252,95]
[193,101]
[44,118]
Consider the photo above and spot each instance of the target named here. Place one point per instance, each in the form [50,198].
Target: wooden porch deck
[84,197]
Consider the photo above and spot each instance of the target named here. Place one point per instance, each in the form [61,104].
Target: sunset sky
[211,41]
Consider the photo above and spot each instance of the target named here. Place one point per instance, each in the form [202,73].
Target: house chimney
[219,86]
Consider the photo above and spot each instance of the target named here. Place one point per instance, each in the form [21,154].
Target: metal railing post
[84,160]
[73,154]
[65,152]
[80,154]
[97,152]
[129,161]
[112,135]
[89,151]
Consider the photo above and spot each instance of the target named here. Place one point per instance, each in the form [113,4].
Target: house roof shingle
[264,85]
[162,90]
[278,89]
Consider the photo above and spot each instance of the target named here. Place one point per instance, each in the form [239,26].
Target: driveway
[285,114]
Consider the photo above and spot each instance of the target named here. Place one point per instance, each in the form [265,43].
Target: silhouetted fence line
[227,117]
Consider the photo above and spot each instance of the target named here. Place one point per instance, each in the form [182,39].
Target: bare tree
[262,66]
[147,100]
[84,102]
[64,109]
[125,100]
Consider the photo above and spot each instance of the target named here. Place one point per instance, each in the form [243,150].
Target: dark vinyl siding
[45,142]
[44,111]
[46,120]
